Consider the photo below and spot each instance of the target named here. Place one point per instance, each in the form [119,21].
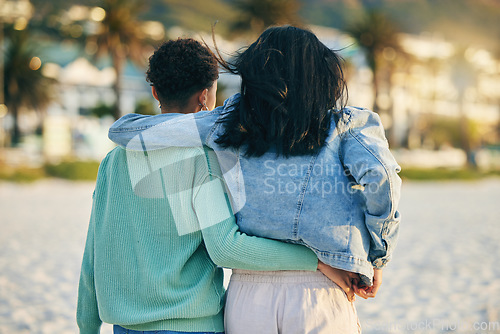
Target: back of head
[290,84]
[180,68]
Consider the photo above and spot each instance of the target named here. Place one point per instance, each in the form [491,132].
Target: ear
[155,93]
[203,97]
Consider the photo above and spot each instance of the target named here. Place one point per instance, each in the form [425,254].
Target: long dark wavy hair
[291,83]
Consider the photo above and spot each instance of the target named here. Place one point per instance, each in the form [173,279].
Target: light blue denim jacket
[342,202]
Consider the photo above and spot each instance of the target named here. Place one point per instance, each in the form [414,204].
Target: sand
[444,276]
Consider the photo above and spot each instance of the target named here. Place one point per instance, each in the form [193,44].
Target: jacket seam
[386,170]
[384,228]
[211,132]
[300,202]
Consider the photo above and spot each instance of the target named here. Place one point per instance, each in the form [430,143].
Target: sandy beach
[444,276]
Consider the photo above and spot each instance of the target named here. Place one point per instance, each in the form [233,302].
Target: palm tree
[376,35]
[119,36]
[257,15]
[24,84]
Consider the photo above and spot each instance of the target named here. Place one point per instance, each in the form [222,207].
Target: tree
[24,84]
[376,35]
[256,15]
[464,76]
[119,36]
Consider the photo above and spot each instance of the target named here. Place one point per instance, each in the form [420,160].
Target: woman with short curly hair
[161,227]
[179,69]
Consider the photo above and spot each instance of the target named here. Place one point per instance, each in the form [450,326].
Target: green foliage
[336,14]
[119,37]
[256,15]
[102,110]
[221,94]
[464,21]
[87,171]
[146,107]
[21,174]
[435,174]
[73,170]
[446,131]
[70,170]
[24,84]
[374,33]
[200,15]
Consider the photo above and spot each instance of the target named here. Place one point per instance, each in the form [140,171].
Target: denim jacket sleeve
[164,130]
[160,131]
[366,156]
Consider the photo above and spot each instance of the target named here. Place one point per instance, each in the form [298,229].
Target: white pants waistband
[284,276]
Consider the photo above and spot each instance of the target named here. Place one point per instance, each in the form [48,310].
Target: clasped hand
[350,282]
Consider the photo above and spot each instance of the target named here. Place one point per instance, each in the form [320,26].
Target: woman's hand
[346,280]
[370,291]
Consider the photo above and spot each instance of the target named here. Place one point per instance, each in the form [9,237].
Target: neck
[166,110]
[174,110]
[191,107]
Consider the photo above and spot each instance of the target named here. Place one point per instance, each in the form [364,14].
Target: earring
[159,105]
[204,105]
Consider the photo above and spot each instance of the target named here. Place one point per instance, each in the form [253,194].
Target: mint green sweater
[160,229]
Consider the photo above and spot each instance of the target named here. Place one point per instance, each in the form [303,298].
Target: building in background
[431,92]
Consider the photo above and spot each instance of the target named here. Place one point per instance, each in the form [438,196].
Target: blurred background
[430,68]
[68,69]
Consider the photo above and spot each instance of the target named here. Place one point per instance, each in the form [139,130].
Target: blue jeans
[120,330]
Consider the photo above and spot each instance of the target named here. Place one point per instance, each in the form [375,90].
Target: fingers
[347,285]
[357,291]
[369,291]
[344,282]
[347,281]
[374,289]
[361,292]
[366,292]
[340,277]
[377,282]
[348,291]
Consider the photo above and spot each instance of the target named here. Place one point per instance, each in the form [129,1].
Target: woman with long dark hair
[308,171]
[290,85]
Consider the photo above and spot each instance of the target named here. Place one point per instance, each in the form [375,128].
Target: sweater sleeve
[87,314]
[230,248]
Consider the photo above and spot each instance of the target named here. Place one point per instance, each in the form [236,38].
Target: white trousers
[287,302]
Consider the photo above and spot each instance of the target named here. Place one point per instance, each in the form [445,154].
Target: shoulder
[113,156]
[228,106]
[111,166]
[351,120]
[356,117]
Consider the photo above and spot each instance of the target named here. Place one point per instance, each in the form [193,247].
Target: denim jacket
[342,202]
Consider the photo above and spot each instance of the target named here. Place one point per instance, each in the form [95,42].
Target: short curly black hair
[180,68]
